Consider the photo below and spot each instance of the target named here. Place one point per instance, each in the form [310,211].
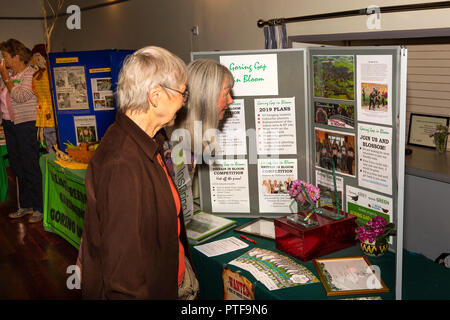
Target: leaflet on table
[229,186]
[274,177]
[324,181]
[275,126]
[102,94]
[254,75]
[221,246]
[375,157]
[232,135]
[374,88]
[85,129]
[365,205]
[203,226]
[335,146]
[274,270]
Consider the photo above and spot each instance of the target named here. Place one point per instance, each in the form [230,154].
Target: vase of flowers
[374,235]
[305,194]
[440,135]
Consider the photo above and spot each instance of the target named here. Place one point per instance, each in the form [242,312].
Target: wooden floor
[33,262]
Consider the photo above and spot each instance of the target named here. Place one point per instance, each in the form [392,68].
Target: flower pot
[441,144]
[370,249]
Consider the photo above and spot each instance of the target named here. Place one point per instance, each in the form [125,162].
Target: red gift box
[306,243]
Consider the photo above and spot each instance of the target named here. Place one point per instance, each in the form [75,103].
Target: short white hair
[144,69]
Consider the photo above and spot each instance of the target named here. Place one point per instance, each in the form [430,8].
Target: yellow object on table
[71,164]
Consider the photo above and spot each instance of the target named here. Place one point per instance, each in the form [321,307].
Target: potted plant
[373,235]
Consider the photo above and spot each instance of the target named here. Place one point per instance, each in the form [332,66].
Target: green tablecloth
[64,199]
[422,278]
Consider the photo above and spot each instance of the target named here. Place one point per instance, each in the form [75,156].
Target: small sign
[236,287]
[67,60]
[99,70]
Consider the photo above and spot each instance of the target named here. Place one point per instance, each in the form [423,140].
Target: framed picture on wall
[420,128]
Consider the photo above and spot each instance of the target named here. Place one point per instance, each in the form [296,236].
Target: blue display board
[83,87]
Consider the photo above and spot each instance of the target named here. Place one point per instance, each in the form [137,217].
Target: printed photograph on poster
[335,115]
[102,94]
[254,75]
[85,129]
[232,138]
[275,126]
[324,181]
[375,157]
[70,88]
[338,147]
[365,205]
[374,87]
[274,177]
[334,77]
[229,186]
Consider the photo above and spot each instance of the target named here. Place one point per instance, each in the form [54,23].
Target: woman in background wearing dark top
[134,243]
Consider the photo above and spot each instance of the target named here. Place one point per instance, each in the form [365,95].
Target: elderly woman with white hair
[134,243]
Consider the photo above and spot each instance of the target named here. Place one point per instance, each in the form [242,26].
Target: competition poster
[274,178]
[229,186]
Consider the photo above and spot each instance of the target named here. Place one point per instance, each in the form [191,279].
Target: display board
[83,86]
[352,114]
[264,136]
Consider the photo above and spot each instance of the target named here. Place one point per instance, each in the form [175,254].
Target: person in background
[20,128]
[45,121]
[210,84]
[134,243]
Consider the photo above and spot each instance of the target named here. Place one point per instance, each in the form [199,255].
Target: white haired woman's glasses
[184,94]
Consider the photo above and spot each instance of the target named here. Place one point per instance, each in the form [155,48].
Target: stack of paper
[205,226]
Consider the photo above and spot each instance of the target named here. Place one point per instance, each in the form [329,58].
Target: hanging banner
[64,204]
[236,287]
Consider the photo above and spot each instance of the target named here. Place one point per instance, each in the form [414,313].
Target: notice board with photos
[310,108]
[83,87]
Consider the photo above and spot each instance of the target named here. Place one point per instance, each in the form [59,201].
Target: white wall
[29,32]
[223,25]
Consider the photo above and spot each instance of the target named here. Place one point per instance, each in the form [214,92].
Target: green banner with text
[64,204]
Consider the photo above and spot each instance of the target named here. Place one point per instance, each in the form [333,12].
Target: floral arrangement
[297,191]
[440,134]
[377,229]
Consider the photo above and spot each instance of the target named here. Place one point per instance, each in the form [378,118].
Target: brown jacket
[130,241]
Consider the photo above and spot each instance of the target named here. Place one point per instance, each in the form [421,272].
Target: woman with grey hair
[134,243]
[210,84]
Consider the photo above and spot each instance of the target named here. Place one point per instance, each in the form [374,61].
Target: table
[422,278]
